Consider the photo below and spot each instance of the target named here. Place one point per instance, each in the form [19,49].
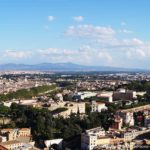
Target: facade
[118,122]
[127,117]
[93,137]
[106,95]
[72,107]
[3,138]
[10,145]
[130,135]
[83,95]
[16,145]
[98,106]
[59,97]
[13,134]
[122,94]
[147,121]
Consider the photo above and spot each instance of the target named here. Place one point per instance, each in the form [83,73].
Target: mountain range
[63,67]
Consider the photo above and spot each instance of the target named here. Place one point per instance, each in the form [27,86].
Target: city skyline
[99,33]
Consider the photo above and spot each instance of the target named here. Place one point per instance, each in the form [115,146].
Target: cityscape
[74,75]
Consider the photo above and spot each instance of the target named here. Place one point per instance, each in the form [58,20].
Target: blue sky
[89,32]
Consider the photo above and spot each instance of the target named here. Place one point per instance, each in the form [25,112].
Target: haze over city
[88,32]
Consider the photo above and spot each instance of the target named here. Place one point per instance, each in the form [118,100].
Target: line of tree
[139,85]
[26,93]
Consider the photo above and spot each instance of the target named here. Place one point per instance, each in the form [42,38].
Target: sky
[88,32]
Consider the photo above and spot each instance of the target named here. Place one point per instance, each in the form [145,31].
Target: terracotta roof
[10,142]
[100,102]
[7,129]
[25,129]
[3,148]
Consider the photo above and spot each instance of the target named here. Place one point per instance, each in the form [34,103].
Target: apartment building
[118,122]
[93,137]
[129,135]
[16,145]
[127,117]
[98,106]
[13,134]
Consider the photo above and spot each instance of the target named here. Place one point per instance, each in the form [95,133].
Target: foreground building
[16,139]
[14,134]
[16,145]
[93,137]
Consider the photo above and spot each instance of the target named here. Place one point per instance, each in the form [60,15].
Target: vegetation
[26,93]
[45,126]
[4,110]
[139,86]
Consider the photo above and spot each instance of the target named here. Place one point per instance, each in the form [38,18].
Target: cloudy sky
[88,32]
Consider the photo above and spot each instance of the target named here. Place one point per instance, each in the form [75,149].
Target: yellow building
[10,145]
[13,134]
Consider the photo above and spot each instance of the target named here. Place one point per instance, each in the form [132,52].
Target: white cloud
[90,31]
[125,31]
[103,45]
[51,18]
[114,45]
[78,18]
[105,55]
[14,54]
[84,54]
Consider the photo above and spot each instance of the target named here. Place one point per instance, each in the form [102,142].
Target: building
[13,134]
[10,145]
[127,116]
[123,94]
[98,106]
[83,95]
[147,121]
[118,122]
[129,135]
[16,145]
[93,137]
[72,107]
[3,138]
[106,96]
[59,97]
[136,94]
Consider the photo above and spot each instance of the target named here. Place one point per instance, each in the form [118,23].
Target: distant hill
[63,67]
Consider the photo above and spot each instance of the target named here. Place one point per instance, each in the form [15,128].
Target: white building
[128,117]
[106,94]
[83,95]
[3,138]
[16,145]
[135,94]
[92,138]
[59,97]
[130,135]
[98,106]
[72,107]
